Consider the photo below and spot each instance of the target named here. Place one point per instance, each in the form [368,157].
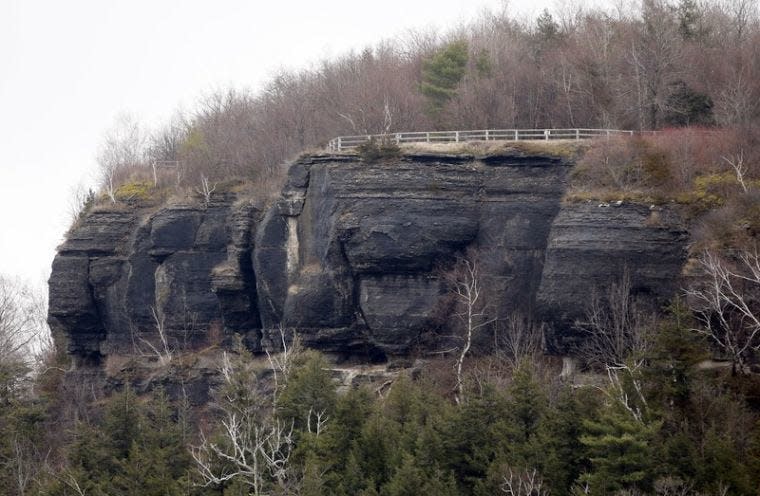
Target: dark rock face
[352,257]
[125,273]
[591,247]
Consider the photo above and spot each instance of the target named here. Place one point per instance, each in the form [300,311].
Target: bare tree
[626,389]
[21,321]
[122,149]
[616,329]
[282,363]
[740,168]
[737,100]
[465,286]
[726,302]
[206,189]
[523,483]
[673,486]
[521,338]
[80,199]
[255,445]
[163,350]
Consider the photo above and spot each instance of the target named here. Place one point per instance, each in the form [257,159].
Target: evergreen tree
[136,449]
[686,107]
[546,27]
[562,455]
[477,435]
[411,480]
[309,395]
[689,20]
[441,75]
[676,352]
[527,403]
[620,450]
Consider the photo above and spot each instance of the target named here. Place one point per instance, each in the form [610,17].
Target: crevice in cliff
[372,352]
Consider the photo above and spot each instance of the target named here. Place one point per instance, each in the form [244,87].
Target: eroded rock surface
[352,257]
[126,275]
[592,247]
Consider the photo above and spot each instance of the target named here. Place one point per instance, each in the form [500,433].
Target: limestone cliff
[351,256]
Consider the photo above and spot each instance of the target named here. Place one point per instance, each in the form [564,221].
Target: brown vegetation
[659,64]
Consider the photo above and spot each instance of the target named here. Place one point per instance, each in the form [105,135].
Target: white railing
[348,142]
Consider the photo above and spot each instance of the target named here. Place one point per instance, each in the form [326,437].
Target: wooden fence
[349,142]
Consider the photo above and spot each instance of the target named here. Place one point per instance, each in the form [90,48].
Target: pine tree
[441,75]
[309,396]
[689,20]
[547,28]
[138,447]
[620,450]
[411,480]
[526,403]
[561,450]
[676,352]
[476,435]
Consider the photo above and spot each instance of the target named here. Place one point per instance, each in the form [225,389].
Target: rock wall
[129,271]
[352,256]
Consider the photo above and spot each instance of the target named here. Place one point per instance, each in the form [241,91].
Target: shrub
[135,190]
[373,151]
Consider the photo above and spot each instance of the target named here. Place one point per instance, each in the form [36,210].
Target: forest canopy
[649,65]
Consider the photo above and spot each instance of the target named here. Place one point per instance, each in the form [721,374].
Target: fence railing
[348,142]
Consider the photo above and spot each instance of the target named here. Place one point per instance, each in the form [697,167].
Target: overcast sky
[68,68]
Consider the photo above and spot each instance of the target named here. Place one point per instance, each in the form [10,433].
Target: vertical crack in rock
[347,256]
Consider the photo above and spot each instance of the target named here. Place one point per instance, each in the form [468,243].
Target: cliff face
[352,256]
[126,272]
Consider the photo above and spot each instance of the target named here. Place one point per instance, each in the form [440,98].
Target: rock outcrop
[353,256]
[128,274]
[592,246]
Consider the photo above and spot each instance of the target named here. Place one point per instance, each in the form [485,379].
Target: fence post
[546,134]
[516,137]
[486,134]
[398,138]
[427,137]
[456,136]
[577,134]
[340,144]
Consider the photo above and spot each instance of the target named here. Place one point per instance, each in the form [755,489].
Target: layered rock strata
[353,256]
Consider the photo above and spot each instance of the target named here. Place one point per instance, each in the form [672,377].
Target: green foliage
[373,151]
[476,436]
[135,190]
[442,73]
[676,352]
[19,424]
[689,20]
[527,406]
[620,450]
[483,64]
[713,190]
[687,107]
[546,27]
[689,429]
[412,480]
[562,456]
[308,394]
[135,446]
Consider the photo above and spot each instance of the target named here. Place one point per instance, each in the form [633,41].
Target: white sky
[68,68]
